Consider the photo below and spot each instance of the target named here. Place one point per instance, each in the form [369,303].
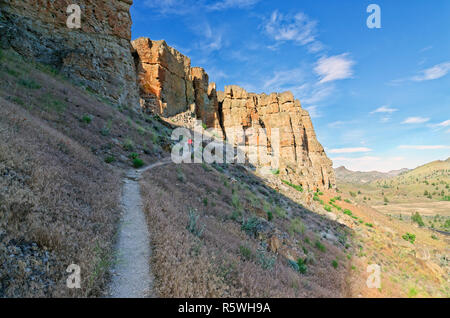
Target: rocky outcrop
[98,55]
[302,158]
[170,87]
[164,77]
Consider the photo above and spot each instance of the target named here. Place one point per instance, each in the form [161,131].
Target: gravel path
[132,277]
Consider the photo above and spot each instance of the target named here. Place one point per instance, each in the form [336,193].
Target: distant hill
[358,177]
[433,172]
[430,182]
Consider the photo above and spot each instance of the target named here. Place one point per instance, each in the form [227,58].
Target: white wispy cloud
[185,7]
[284,79]
[313,111]
[334,68]
[178,7]
[228,4]
[384,109]
[432,73]
[349,150]
[210,38]
[424,147]
[298,28]
[416,120]
[443,124]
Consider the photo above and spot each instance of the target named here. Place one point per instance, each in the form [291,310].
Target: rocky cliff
[161,80]
[98,55]
[303,160]
[169,86]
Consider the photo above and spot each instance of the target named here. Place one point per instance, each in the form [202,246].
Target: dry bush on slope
[214,265]
[58,206]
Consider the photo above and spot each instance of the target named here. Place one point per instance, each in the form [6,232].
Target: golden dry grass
[58,198]
[213,265]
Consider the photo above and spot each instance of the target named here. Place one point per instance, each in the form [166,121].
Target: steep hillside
[62,151]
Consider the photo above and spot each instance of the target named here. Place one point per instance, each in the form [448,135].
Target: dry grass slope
[58,196]
[218,256]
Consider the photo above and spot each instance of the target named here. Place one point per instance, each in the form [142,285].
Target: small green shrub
[29,83]
[447,224]
[110,159]
[236,202]
[335,264]
[348,201]
[294,265]
[369,224]
[265,259]
[51,103]
[133,156]
[296,187]
[138,163]
[12,72]
[250,226]
[236,215]
[193,224]
[205,201]
[296,226]
[87,119]
[280,212]
[320,246]
[269,216]
[412,293]
[409,237]
[327,208]
[302,268]
[128,145]
[417,219]
[180,175]
[246,252]
[106,130]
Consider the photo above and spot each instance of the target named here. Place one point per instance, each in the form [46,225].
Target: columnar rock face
[206,104]
[164,77]
[98,55]
[170,86]
[302,158]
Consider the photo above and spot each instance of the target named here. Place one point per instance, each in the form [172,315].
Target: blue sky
[379,98]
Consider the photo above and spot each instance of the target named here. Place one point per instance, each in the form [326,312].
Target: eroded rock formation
[98,55]
[303,160]
[164,77]
[169,86]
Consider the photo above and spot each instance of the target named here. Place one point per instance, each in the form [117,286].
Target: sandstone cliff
[169,86]
[302,158]
[98,55]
